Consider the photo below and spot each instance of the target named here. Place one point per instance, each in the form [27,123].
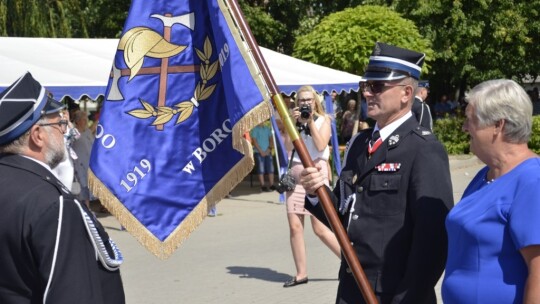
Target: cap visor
[382,76]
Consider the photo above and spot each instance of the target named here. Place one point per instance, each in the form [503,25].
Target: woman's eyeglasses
[377,87]
[304,100]
[62,123]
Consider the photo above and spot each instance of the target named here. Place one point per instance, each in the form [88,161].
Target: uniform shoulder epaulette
[424,133]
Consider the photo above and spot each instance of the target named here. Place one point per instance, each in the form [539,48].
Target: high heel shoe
[293,282]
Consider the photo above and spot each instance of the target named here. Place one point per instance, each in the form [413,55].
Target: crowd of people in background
[441,105]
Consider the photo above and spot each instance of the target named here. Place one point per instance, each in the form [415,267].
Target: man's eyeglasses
[62,123]
[377,87]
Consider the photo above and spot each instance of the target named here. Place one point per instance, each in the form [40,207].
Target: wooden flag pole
[324,197]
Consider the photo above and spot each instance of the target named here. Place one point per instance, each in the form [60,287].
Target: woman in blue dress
[494,231]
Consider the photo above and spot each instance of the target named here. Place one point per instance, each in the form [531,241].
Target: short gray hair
[414,84]
[503,99]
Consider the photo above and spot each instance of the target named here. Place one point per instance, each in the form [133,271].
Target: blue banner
[183,90]
[334,139]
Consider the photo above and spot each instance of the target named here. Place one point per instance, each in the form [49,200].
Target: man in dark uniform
[394,190]
[53,250]
[421,109]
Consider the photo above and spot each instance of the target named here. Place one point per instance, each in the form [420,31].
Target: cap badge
[377,50]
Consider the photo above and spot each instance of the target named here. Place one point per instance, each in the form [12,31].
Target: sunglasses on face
[376,87]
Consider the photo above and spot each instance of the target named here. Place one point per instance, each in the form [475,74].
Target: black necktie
[375,142]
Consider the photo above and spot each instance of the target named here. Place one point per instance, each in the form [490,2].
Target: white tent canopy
[77,67]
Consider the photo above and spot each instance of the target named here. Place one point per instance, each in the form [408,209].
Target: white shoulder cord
[110,263]
[422,113]
[55,255]
[430,119]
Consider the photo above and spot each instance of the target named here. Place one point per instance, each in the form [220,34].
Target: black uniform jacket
[395,218]
[29,218]
[422,113]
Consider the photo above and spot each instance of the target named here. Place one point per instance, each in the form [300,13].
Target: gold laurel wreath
[185,108]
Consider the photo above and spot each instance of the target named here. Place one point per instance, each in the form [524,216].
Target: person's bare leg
[326,235]
[296,229]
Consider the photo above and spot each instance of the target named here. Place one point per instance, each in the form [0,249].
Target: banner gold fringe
[164,249]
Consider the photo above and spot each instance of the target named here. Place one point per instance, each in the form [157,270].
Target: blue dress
[486,230]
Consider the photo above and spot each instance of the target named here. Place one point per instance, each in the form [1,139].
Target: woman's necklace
[487,180]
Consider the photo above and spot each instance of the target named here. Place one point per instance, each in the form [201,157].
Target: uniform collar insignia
[393,139]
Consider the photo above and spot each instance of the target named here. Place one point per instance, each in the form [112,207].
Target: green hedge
[449,132]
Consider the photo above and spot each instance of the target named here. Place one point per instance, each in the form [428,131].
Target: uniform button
[360,188]
[348,270]
[352,243]
[355,217]
[386,184]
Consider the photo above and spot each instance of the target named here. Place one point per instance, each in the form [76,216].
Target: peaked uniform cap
[388,62]
[423,84]
[21,105]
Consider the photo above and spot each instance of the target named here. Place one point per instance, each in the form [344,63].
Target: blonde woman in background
[314,126]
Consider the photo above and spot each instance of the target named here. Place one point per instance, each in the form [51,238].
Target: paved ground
[241,256]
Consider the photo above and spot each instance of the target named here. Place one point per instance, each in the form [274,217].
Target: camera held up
[305,111]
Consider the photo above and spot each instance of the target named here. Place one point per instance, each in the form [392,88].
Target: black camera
[286,183]
[305,111]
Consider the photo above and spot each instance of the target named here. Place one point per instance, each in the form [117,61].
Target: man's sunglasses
[376,87]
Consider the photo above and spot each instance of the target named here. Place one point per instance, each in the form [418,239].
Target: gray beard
[55,153]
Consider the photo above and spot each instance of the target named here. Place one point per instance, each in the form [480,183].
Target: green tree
[106,18]
[38,18]
[344,40]
[301,16]
[477,40]
[267,31]
[63,19]
[295,17]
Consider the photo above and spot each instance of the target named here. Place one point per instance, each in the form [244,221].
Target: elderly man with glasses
[53,249]
[394,190]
